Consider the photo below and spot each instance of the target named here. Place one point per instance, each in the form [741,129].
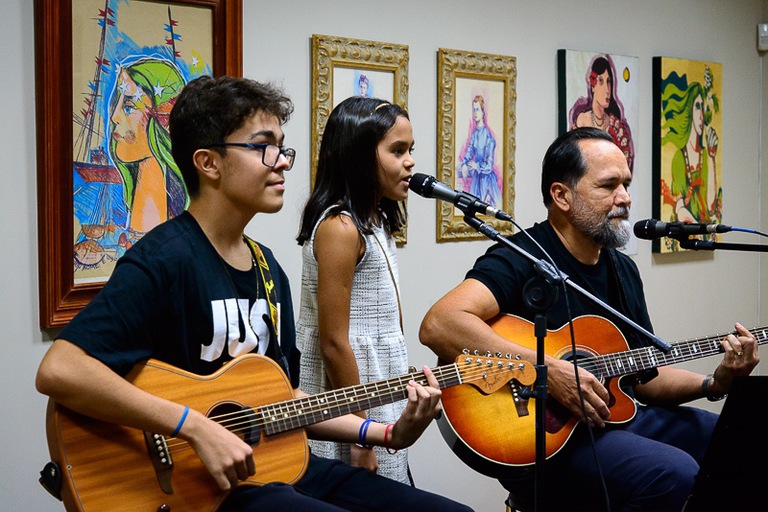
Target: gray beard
[612,236]
[605,232]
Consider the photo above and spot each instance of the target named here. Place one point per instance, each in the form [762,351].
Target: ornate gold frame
[330,52]
[453,64]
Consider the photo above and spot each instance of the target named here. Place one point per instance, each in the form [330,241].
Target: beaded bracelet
[386,440]
[181,421]
[362,435]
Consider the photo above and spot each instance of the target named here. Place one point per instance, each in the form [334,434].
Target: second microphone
[428,186]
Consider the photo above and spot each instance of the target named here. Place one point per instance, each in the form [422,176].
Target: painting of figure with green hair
[125,181]
[140,144]
[690,138]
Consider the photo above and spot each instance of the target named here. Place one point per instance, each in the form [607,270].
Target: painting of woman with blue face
[363,86]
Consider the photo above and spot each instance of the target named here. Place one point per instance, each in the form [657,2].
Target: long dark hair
[347,167]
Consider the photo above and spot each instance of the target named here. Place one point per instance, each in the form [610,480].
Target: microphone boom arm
[710,245]
[494,235]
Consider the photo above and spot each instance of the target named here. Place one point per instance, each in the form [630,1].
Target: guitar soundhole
[239,419]
[581,355]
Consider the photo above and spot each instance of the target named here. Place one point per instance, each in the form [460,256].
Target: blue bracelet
[363,434]
[181,421]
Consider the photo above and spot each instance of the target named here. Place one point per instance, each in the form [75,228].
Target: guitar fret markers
[301,412]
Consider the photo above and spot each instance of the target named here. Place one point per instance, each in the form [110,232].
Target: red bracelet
[386,440]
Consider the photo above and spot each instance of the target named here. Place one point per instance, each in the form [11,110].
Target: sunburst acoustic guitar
[494,433]
[110,467]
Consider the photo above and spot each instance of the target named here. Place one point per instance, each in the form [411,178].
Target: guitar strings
[418,377]
[243,421]
[290,411]
[649,356]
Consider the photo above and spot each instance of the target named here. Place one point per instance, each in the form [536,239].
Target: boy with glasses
[196,293]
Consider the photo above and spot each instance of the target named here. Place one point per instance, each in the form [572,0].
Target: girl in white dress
[350,326]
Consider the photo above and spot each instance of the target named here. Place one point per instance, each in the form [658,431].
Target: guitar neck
[646,358]
[300,412]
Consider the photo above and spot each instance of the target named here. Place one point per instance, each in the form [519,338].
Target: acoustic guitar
[106,466]
[495,433]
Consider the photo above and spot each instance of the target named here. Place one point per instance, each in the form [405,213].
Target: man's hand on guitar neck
[740,358]
[227,457]
[562,386]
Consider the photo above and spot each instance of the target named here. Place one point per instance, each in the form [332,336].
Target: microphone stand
[540,293]
[710,245]
[543,266]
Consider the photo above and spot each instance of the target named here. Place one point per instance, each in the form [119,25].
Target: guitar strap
[620,280]
[266,278]
[394,281]
[273,321]
[621,284]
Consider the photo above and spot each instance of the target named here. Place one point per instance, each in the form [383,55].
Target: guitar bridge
[520,395]
[157,448]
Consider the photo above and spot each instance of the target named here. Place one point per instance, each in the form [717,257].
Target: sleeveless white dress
[374,334]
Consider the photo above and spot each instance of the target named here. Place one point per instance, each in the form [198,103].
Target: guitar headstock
[489,374]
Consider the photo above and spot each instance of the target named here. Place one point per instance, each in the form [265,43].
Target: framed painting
[601,90]
[344,67]
[476,136]
[687,133]
[107,76]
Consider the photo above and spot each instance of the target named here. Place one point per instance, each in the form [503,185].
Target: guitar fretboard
[300,412]
[646,358]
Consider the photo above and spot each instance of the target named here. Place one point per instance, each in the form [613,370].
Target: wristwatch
[707,392]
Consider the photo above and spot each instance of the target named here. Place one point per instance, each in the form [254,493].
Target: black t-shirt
[171,297]
[614,279]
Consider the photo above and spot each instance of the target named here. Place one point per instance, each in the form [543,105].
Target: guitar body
[107,467]
[493,433]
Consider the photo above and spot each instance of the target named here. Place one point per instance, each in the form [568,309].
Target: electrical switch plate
[762,37]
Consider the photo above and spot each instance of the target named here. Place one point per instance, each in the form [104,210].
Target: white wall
[763,163]
[722,287]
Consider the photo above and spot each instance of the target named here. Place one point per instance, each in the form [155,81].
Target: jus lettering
[227,315]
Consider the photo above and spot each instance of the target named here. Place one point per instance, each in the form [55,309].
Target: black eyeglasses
[270,153]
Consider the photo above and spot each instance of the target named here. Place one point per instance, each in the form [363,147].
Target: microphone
[650,229]
[428,186]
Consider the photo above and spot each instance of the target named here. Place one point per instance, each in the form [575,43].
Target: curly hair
[209,109]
